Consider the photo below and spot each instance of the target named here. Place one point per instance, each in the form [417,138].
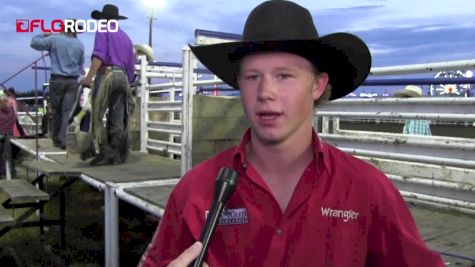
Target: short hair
[11,91]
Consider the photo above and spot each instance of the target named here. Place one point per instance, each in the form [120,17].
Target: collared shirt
[417,127]
[343,212]
[115,49]
[66,53]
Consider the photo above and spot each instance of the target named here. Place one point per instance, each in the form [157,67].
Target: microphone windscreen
[226,182]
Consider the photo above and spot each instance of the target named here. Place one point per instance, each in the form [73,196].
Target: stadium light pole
[152,5]
[150,27]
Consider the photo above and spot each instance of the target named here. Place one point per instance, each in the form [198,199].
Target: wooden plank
[20,191]
[155,195]
[45,146]
[6,218]
[51,168]
[138,167]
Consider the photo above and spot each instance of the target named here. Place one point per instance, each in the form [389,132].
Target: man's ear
[320,84]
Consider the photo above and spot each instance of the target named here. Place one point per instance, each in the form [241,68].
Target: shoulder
[357,171]
[201,177]
[343,161]
[374,188]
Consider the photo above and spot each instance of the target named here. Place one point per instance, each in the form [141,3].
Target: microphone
[224,187]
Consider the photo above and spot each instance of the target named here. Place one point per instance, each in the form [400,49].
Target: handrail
[23,69]
[423,68]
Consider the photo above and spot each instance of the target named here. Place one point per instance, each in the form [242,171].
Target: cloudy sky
[397,31]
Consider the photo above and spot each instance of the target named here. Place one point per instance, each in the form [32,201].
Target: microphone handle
[210,226]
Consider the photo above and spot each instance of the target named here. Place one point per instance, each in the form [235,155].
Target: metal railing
[391,152]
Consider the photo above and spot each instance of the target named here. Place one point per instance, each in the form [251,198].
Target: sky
[398,32]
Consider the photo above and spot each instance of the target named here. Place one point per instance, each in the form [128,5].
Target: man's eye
[284,76]
[252,77]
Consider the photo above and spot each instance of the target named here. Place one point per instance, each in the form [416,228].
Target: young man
[67,58]
[113,62]
[299,201]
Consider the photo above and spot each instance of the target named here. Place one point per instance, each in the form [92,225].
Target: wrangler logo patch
[232,216]
[346,215]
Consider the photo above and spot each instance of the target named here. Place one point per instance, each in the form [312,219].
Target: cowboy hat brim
[96,14]
[406,93]
[345,58]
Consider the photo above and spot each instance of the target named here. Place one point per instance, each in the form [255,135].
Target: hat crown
[110,10]
[279,20]
[414,88]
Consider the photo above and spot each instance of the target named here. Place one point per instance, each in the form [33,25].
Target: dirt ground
[84,232]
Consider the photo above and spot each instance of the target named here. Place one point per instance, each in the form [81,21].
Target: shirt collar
[320,149]
[239,156]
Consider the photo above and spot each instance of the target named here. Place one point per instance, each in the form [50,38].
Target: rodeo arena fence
[434,170]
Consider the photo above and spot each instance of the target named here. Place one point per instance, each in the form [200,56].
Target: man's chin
[268,137]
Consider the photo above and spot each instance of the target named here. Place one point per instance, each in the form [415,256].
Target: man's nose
[267,89]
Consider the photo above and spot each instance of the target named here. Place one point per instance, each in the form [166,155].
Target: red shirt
[7,120]
[343,212]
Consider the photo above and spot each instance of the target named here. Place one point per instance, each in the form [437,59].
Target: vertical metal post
[9,161]
[325,124]
[336,125]
[111,227]
[315,121]
[8,172]
[187,109]
[171,115]
[40,211]
[150,26]
[143,104]
[62,215]
[36,110]
[43,102]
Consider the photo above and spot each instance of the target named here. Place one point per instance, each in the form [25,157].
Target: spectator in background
[11,98]
[67,58]
[7,120]
[415,127]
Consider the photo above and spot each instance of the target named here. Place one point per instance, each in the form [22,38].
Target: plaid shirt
[417,127]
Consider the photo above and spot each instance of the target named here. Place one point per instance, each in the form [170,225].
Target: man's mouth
[268,115]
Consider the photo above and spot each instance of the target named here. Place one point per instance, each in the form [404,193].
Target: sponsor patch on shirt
[232,216]
[345,215]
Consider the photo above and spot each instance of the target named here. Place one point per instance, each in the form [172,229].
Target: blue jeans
[62,95]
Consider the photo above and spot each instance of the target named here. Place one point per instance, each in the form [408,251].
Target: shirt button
[278,232]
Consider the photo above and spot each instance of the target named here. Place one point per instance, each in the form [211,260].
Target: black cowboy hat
[108,12]
[279,25]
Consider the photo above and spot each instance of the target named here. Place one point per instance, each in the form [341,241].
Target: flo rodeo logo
[67,25]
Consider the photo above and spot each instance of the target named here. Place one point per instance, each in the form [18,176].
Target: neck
[281,158]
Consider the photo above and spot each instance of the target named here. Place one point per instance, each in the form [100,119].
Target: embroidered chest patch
[232,216]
